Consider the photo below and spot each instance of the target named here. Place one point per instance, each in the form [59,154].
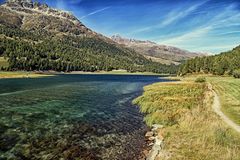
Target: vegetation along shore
[23,74]
[191,129]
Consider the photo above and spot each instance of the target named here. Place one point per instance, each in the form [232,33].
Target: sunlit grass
[22,74]
[119,72]
[166,102]
[228,89]
[192,129]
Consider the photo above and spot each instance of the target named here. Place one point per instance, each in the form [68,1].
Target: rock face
[119,39]
[36,6]
[34,16]
[160,53]
[23,3]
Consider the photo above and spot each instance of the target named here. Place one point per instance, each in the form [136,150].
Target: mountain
[34,36]
[31,16]
[226,63]
[159,53]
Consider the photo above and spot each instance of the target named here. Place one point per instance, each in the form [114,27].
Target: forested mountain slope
[224,63]
[34,36]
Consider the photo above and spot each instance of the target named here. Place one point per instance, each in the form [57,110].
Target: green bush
[236,73]
[200,80]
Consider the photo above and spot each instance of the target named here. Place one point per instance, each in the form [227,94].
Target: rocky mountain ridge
[29,15]
[160,53]
[119,39]
[23,5]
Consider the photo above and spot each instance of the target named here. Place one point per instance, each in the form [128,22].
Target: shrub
[223,137]
[200,80]
[236,73]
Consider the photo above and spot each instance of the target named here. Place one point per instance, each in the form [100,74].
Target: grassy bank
[22,75]
[192,129]
[228,89]
[119,72]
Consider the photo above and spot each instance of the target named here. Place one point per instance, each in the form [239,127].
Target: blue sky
[197,25]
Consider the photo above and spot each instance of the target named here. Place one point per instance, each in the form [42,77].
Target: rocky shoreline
[155,141]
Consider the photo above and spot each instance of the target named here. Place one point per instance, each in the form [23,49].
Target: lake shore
[118,72]
[39,74]
[182,108]
[23,74]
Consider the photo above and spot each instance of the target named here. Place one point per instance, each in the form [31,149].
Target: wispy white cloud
[179,14]
[171,17]
[227,33]
[215,49]
[225,47]
[206,36]
[197,33]
[95,12]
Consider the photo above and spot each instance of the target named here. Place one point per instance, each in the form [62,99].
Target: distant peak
[26,5]
[119,39]
[117,36]
[21,3]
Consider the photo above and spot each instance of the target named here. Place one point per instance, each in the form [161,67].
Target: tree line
[227,63]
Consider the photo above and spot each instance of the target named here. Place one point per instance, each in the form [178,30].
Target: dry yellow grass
[118,72]
[228,89]
[196,132]
[21,75]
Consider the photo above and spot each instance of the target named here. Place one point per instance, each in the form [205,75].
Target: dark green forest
[227,63]
[41,50]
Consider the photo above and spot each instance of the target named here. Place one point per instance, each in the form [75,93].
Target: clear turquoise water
[72,117]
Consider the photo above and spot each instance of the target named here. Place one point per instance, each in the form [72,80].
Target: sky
[209,26]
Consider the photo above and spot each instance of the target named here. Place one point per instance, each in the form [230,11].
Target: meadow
[21,74]
[228,89]
[119,72]
[191,130]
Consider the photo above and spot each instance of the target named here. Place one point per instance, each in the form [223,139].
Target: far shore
[39,74]
[119,72]
[23,74]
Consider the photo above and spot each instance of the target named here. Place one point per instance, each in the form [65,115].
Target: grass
[228,89]
[119,72]
[23,74]
[165,102]
[3,62]
[192,129]
[20,74]
[200,80]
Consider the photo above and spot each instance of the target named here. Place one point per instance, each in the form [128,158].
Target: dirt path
[217,108]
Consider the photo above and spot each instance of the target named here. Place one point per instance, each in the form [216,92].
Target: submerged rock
[149,134]
[156,136]
[151,138]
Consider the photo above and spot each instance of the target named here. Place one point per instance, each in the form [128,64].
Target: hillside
[159,53]
[224,63]
[34,36]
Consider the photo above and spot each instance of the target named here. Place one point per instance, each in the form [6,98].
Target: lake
[72,117]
